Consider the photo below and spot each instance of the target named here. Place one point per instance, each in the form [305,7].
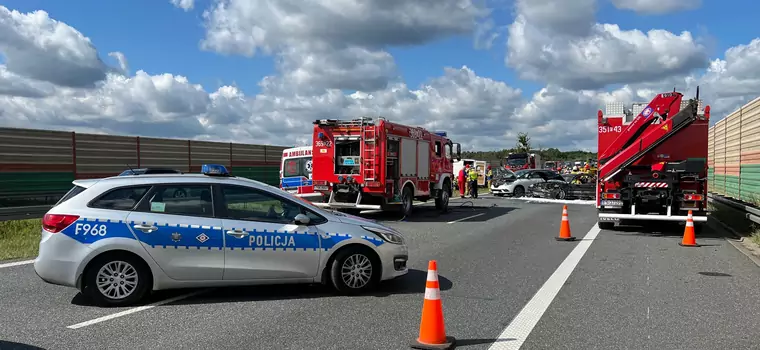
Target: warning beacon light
[214,170]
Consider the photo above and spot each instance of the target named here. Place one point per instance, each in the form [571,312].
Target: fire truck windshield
[517,162]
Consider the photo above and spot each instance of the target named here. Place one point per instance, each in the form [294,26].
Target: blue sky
[159,38]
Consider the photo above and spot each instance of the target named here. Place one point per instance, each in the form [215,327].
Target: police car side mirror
[302,219]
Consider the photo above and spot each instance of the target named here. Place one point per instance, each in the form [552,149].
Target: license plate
[293,191]
[612,203]
[321,188]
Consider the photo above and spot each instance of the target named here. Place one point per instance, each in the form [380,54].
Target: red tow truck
[655,167]
[522,160]
[368,164]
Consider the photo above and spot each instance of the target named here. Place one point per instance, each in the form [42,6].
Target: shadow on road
[470,342]
[411,283]
[661,229]
[9,345]
[457,211]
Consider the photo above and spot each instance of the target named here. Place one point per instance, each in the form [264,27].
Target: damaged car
[508,183]
[569,186]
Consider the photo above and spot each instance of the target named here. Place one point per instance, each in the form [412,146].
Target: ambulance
[295,172]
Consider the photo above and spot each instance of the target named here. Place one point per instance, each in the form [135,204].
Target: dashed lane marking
[16,263]
[521,326]
[135,309]
[463,219]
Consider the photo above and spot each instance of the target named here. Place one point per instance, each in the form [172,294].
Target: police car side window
[244,203]
[124,198]
[181,199]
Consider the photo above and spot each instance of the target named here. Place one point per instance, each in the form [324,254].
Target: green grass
[19,239]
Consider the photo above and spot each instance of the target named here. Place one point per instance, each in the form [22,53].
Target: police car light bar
[214,170]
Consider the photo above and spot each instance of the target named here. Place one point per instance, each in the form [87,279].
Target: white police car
[120,237]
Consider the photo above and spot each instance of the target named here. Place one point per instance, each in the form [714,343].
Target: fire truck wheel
[442,201]
[407,200]
[606,225]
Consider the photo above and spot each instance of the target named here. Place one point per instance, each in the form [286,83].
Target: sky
[261,71]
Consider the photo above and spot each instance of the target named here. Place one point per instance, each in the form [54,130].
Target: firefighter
[473,177]
[461,181]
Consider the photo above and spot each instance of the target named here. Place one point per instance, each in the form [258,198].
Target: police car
[118,238]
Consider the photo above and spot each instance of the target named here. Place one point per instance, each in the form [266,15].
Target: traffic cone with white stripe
[689,240]
[432,328]
[564,228]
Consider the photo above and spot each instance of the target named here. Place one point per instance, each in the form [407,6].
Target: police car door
[176,225]
[262,240]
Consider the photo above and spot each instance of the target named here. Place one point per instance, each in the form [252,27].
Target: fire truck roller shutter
[423,160]
[408,157]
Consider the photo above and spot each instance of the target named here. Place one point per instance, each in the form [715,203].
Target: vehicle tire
[180,193]
[354,270]
[104,269]
[407,201]
[561,194]
[606,225]
[442,201]
[519,192]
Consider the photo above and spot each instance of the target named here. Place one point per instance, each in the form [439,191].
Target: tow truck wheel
[442,201]
[407,200]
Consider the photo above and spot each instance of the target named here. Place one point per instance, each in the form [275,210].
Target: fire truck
[375,164]
[655,167]
[522,160]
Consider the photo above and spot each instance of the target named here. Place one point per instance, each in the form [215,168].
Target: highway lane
[490,265]
[492,259]
[638,288]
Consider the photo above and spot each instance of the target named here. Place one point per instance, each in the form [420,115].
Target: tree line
[524,145]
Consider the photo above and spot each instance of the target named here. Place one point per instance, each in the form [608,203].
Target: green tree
[523,142]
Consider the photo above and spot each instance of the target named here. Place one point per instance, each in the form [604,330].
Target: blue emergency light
[214,170]
[440,133]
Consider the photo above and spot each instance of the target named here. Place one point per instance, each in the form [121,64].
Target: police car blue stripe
[90,230]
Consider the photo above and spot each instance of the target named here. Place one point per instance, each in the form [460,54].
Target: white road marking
[135,309]
[17,263]
[463,219]
[521,326]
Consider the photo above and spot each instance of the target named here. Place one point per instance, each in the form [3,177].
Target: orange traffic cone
[688,233]
[432,329]
[564,228]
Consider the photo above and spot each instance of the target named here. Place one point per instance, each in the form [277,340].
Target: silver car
[509,183]
[118,238]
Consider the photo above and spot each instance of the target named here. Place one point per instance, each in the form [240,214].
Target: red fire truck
[377,164]
[522,160]
[655,167]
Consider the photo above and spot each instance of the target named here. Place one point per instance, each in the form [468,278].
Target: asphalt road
[629,289]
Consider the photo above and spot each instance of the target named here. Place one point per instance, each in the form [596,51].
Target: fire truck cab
[367,164]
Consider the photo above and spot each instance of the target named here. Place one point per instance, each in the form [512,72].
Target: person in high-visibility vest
[473,177]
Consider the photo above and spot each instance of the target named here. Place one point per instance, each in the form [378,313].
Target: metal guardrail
[22,213]
[751,213]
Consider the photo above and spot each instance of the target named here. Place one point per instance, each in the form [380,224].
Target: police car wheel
[354,270]
[116,280]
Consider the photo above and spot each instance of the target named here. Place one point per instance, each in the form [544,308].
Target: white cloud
[657,7]
[41,48]
[480,112]
[541,47]
[186,5]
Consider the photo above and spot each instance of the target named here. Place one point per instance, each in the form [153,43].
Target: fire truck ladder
[649,141]
[369,153]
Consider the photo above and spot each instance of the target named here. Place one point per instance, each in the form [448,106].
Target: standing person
[489,177]
[462,182]
[474,182]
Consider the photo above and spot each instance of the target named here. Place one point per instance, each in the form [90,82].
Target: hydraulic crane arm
[655,135]
[666,104]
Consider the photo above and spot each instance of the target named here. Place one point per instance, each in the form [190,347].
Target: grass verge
[737,220]
[19,239]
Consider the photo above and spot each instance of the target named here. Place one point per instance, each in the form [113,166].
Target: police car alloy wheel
[354,270]
[116,280]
